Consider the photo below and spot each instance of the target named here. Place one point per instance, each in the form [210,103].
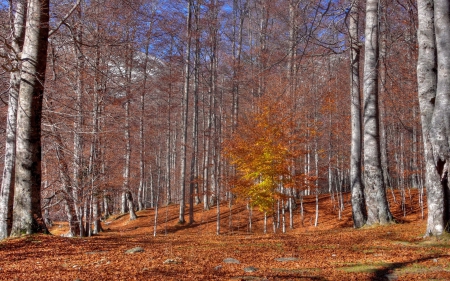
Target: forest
[128,106]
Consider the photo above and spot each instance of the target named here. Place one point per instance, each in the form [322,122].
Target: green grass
[364,268]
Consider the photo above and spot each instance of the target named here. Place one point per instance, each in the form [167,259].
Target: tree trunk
[94,167]
[441,115]
[141,190]
[434,91]
[383,87]
[70,207]
[7,186]
[130,205]
[374,188]
[126,174]
[97,227]
[77,189]
[193,182]
[27,216]
[185,108]
[357,188]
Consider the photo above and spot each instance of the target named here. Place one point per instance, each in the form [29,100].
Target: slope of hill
[331,251]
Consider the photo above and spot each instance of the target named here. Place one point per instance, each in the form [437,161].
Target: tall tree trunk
[374,188]
[94,167]
[27,216]
[237,50]
[77,182]
[434,93]
[358,207]
[185,108]
[126,174]
[193,182]
[382,86]
[441,115]
[7,187]
[427,83]
[141,190]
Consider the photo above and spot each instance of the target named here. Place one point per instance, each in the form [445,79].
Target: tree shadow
[383,273]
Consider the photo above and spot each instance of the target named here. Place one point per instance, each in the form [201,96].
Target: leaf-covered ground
[332,251]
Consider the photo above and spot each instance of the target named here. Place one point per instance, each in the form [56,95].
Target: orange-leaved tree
[263,150]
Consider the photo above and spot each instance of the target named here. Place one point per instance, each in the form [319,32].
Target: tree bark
[433,89]
[185,108]
[141,190]
[126,173]
[130,205]
[77,183]
[193,182]
[7,187]
[358,206]
[374,188]
[27,216]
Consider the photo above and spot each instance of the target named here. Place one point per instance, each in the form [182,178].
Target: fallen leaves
[332,251]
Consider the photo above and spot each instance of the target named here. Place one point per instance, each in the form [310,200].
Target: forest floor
[331,251]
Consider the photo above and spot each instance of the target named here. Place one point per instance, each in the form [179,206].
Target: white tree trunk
[375,193]
[7,186]
[358,207]
[27,216]
[434,91]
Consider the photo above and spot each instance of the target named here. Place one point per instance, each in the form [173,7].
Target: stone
[134,250]
[287,259]
[250,269]
[250,278]
[391,277]
[172,261]
[231,260]
[217,268]
[96,252]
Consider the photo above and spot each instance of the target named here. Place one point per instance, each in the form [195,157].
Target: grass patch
[436,243]
[364,268]
[419,269]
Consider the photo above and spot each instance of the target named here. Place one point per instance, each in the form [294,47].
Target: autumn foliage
[264,149]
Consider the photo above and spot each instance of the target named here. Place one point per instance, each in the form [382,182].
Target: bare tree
[184,116]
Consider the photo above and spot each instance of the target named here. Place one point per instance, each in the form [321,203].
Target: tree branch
[65,18]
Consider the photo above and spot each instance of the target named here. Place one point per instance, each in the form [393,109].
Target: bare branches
[75,6]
